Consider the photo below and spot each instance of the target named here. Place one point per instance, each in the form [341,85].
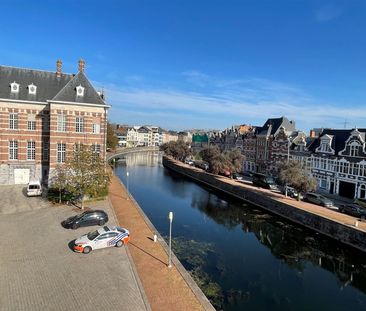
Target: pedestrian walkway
[165,288]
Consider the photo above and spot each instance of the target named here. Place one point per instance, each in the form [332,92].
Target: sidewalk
[165,288]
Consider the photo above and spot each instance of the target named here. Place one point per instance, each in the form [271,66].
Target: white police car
[101,238]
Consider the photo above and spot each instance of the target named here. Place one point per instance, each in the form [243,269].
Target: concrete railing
[122,151]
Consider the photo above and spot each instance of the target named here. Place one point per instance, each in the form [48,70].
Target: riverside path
[165,288]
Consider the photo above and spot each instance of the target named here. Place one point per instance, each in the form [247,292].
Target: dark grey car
[353,210]
[319,200]
[88,218]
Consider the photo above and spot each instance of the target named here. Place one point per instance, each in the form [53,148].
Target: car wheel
[74,226]
[101,222]
[119,243]
[87,250]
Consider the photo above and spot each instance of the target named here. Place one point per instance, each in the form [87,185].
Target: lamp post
[128,191]
[170,216]
[288,159]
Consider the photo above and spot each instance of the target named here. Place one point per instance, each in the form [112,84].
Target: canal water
[242,257]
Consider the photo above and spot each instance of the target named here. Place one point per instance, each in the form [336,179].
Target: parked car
[225,173]
[34,188]
[88,218]
[319,200]
[201,164]
[353,210]
[188,161]
[360,202]
[102,238]
[264,181]
[291,192]
[237,176]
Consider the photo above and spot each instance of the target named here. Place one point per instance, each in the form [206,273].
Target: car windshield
[92,235]
[269,180]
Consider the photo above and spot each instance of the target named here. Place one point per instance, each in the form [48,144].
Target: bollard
[356,223]
[155,238]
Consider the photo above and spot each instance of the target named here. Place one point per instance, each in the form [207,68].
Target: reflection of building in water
[142,158]
[289,243]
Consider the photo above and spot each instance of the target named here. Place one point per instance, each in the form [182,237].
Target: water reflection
[243,257]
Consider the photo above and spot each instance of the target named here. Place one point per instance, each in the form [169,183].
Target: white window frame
[96,148]
[353,151]
[13,149]
[13,121]
[96,128]
[31,122]
[32,89]
[61,152]
[31,150]
[61,123]
[79,124]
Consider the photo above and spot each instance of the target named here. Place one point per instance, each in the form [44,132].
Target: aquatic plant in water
[193,255]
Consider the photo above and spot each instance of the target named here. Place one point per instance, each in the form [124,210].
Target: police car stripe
[117,238]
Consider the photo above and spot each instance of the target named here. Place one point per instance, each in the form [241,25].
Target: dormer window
[14,87]
[32,89]
[80,91]
[353,151]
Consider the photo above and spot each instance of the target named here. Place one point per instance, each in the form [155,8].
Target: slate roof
[339,139]
[275,124]
[68,93]
[49,86]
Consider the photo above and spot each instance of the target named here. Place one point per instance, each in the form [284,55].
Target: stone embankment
[166,288]
[343,228]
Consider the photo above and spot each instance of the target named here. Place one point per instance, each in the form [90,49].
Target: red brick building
[43,116]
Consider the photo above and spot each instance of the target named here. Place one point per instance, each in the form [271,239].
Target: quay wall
[344,233]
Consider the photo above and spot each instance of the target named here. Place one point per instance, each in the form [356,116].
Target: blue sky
[203,64]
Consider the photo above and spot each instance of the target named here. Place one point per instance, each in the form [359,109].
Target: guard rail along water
[345,229]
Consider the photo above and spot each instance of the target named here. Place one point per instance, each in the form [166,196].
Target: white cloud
[236,101]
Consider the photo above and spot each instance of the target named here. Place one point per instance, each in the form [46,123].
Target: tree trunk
[82,202]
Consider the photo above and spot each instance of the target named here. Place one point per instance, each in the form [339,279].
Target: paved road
[14,199]
[40,272]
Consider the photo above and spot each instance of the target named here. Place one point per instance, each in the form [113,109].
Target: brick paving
[39,271]
[165,287]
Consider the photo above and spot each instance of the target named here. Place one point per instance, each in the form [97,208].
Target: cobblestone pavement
[14,199]
[39,271]
[166,289]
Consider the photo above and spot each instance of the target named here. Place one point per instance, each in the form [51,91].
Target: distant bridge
[123,151]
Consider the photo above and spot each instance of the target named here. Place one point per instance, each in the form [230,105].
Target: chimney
[81,64]
[58,68]
[312,133]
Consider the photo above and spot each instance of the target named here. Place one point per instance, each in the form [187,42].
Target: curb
[205,303]
[134,270]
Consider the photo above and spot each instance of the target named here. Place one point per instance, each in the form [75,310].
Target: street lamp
[170,216]
[288,159]
[128,191]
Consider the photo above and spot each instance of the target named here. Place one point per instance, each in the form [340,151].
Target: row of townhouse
[138,136]
[43,116]
[336,158]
